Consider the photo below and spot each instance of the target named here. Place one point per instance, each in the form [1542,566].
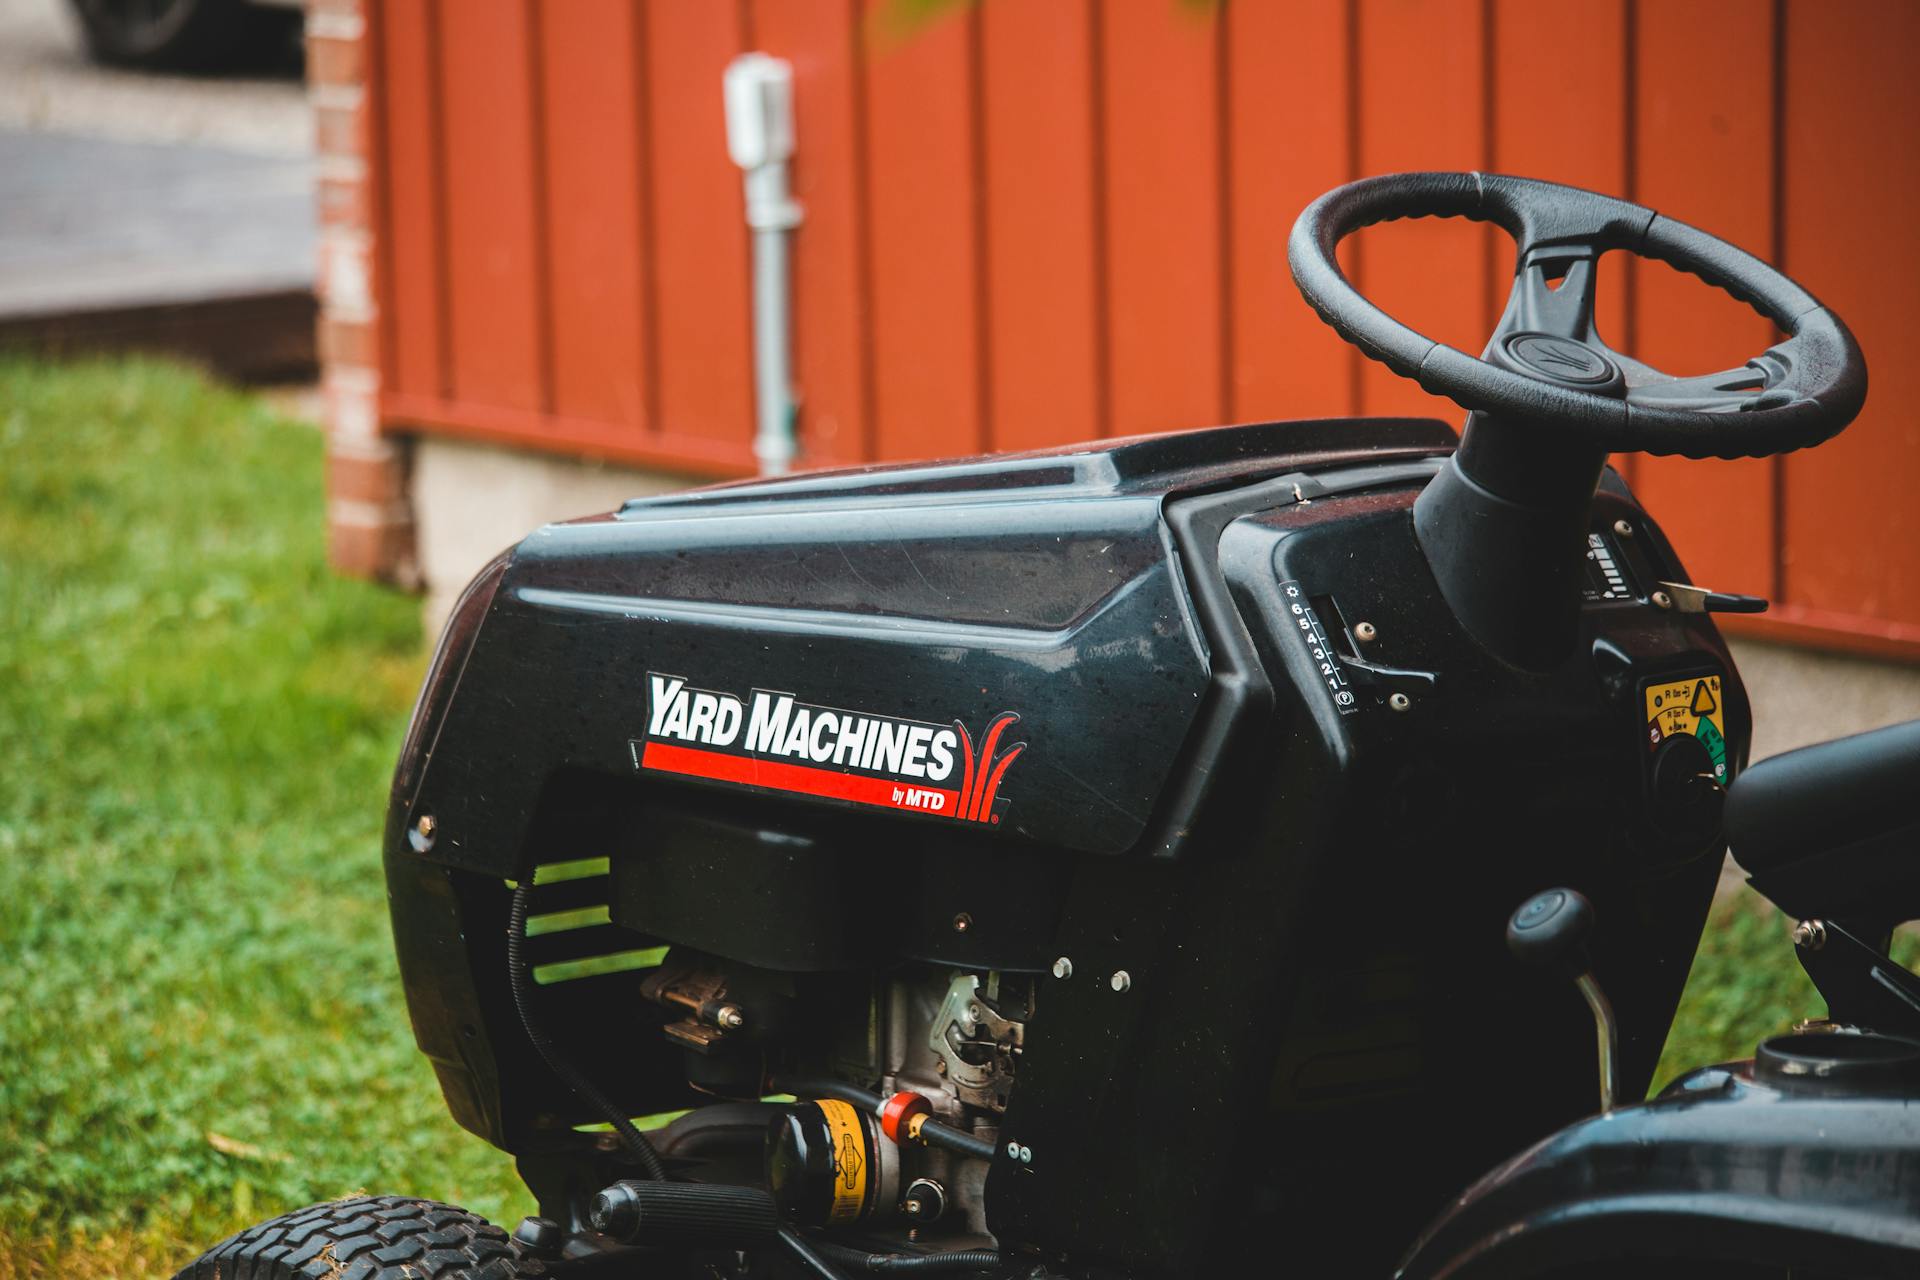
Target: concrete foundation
[471,501]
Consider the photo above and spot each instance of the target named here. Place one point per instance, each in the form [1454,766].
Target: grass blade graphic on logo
[772,741]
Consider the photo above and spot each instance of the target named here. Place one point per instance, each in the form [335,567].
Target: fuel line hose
[522,981]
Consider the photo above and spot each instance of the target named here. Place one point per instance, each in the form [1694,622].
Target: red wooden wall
[1038,221]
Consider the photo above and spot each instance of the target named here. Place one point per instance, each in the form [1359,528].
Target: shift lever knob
[1550,931]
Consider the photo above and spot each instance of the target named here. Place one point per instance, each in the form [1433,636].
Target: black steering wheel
[1546,365]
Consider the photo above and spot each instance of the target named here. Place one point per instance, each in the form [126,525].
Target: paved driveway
[151,212]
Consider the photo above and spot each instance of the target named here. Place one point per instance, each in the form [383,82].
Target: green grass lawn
[200,1024]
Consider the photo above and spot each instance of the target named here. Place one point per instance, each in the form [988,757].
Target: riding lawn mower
[1102,863]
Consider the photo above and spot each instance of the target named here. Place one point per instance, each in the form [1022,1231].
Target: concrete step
[192,250]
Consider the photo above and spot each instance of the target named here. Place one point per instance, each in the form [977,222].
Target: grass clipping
[201,1024]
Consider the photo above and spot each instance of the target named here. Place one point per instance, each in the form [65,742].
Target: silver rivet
[1622,528]
[1399,701]
[1661,600]
[1810,935]
[1121,980]
[1364,631]
[1063,968]
[1013,1150]
[1026,1155]
[962,922]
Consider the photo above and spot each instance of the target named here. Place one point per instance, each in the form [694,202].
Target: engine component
[976,1045]
[915,1127]
[925,1201]
[827,1165]
[903,1115]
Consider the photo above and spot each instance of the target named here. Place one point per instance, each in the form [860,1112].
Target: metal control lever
[1550,931]
[1683,597]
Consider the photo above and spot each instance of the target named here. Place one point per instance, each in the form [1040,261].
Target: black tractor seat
[1833,831]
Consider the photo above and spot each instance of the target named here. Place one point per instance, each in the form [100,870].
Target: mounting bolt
[1121,980]
[1364,631]
[730,1017]
[1661,600]
[939,1066]
[1810,935]
[1063,968]
[962,922]
[1623,528]
[425,828]
[1399,701]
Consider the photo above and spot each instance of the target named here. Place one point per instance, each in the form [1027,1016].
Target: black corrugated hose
[911,1263]
[522,981]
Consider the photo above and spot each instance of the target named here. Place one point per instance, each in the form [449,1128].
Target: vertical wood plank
[592,215]
[701,308]
[920,142]
[491,223]
[1166,313]
[1852,532]
[1559,73]
[831,343]
[1704,154]
[1043,317]
[1422,92]
[1288,98]
[410,205]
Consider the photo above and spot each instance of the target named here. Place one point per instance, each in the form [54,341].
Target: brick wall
[370,528]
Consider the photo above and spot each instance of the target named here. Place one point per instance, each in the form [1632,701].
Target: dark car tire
[368,1238]
[187,35]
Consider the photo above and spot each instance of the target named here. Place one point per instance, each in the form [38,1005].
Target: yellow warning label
[849,1159]
[1678,706]
[1691,706]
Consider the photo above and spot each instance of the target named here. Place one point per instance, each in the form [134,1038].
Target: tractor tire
[368,1238]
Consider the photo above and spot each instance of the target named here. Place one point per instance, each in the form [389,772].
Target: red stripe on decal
[993,783]
[966,759]
[668,757]
[987,746]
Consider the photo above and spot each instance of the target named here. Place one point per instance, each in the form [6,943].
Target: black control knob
[1551,929]
[541,1237]
[1687,795]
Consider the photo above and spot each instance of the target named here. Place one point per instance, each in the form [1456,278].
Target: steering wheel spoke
[1552,294]
[1727,391]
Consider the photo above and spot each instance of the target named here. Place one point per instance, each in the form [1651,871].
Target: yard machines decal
[773,741]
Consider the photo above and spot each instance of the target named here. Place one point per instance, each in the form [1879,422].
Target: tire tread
[368,1238]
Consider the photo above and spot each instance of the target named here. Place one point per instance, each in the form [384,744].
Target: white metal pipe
[760,138]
